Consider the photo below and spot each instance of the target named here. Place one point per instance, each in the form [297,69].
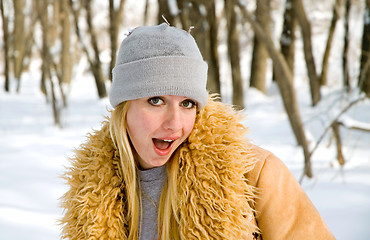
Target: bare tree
[95,62]
[66,59]
[201,17]
[47,60]
[115,17]
[364,80]
[32,18]
[346,45]
[92,55]
[18,41]
[338,141]
[260,54]
[287,40]
[233,51]
[334,126]
[305,27]
[284,81]
[5,22]
[213,84]
[325,61]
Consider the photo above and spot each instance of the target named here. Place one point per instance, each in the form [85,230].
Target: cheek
[139,124]
[189,125]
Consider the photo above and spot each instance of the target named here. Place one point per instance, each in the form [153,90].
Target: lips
[163,146]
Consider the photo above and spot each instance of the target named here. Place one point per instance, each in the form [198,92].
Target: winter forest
[298,69]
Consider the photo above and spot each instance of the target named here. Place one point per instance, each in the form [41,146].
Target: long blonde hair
[168,206]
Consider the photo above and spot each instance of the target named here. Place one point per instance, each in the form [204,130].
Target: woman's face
[157,126]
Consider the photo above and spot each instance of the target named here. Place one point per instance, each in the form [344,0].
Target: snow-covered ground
[33,155]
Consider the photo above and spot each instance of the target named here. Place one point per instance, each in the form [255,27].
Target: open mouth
[162,144]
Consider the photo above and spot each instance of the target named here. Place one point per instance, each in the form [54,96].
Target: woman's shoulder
[262,157]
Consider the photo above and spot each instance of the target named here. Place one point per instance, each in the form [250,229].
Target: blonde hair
[168,220]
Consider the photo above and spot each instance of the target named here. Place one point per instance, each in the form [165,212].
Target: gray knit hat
[159,60]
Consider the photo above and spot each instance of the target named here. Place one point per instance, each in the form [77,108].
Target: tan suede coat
[228,188]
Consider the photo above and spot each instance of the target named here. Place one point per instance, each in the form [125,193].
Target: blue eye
[188,104]
[155,101]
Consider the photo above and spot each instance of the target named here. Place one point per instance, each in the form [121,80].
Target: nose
[173,119]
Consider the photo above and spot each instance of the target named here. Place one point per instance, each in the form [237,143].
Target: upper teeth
[167,140]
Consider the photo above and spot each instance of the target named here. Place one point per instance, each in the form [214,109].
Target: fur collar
[214,197]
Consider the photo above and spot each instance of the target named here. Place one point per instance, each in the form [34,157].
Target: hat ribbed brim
[166,75]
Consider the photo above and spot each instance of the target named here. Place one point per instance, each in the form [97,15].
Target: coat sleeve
[283,210]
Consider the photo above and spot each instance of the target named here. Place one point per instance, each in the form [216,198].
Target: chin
[157,163]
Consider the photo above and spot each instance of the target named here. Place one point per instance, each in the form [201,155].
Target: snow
[351,123]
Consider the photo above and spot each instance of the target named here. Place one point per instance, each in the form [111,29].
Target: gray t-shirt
[151,181]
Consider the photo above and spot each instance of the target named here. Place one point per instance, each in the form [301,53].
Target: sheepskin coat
[228,188]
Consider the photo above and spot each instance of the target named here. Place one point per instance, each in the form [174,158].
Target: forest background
[305,62]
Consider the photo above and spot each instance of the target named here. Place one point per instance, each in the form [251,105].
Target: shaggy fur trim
[94,204]
[214,195]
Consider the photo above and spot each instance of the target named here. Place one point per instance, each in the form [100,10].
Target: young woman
[172,163]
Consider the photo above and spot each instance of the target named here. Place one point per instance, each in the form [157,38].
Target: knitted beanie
[159,60]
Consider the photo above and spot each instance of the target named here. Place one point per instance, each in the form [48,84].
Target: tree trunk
[284,81]
[364,79]
[19,40]
[45,66]
[213,83]
[338,141]
[307,47]
[94,61]
[346,46]
[184,13]
[164,10]
[98,78]
[146,12]
[287,40]
[47,60]
[325,61]
[66,59]
[96,67]
[29,33]
[54,21]
[5,20]
[260,54]
[233,51]
[116,16]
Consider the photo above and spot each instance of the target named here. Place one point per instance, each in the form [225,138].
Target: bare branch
[336,120]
